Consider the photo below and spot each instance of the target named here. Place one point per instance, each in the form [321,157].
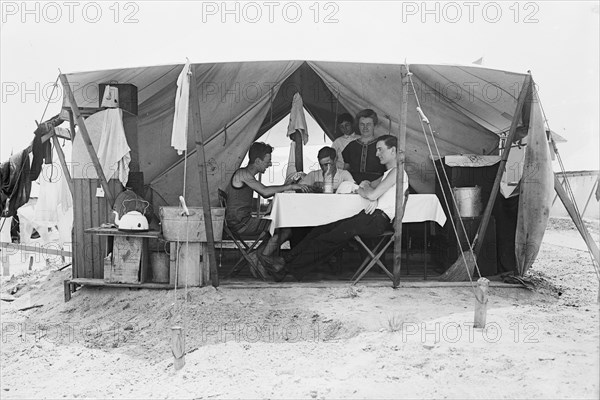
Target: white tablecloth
[314,209]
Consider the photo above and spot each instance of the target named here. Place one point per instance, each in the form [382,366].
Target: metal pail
[468,201]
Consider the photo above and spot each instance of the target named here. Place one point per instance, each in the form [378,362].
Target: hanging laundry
[42,152]
[297,123]
[182,104]
[15,183]
[114,152]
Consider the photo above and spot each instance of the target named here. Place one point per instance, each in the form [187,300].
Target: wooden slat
[78,236]
[100,282]
[86,222]
[97,264]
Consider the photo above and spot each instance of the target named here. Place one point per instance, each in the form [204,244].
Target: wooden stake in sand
[178,347]
[483,285]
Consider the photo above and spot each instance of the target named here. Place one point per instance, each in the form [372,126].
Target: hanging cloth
[297,123]
[182,104]
[114,153]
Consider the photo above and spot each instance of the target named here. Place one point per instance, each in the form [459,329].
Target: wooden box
[128,96]
[188,264]
[176,227]
[127,261]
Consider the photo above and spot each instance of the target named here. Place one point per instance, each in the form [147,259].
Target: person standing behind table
[323,241]
[327,162]
[360,154]
[346,127]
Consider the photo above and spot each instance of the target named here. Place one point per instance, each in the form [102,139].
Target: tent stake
[178,347]
[481,298]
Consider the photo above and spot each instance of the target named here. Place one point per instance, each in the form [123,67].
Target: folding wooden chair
[374,256]
[240,242]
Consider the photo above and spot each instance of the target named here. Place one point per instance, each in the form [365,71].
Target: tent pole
[401,154]
[204,193]
[86,139]
[63,163]
[511,134]
[589,241]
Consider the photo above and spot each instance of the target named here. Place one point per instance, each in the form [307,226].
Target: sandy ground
[337,342]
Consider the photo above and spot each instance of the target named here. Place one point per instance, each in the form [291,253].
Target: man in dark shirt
[240,193]
[359,155]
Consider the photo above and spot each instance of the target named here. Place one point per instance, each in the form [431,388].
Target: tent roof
[468,106]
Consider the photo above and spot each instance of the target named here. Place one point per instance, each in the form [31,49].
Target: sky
[558,41]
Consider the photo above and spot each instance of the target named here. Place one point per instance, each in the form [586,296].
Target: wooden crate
[128,261]
[189,264]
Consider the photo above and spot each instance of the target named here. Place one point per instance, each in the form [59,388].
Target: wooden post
[481,298]
[400,158]
[589,241]
[204,193]
[511,134]
[63,163]
[67,289]
[178,347]
[86,139]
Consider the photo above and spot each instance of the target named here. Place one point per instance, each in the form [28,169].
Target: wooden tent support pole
[178,347]
[585,234]
[204,193]
[400,158]
[511,135]
[481,298]
[63,163]
[86,139]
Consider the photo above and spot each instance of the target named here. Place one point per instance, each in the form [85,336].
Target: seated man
[345,125]
[326,157]
[240,192]
[359,155]
[324,241]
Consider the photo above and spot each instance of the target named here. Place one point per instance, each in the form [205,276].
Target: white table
[314,209]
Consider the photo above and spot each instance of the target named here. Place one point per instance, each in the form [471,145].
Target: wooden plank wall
[90,211]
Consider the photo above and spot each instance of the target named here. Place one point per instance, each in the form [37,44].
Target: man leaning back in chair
[240,193]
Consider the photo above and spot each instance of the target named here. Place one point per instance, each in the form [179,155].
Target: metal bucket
[468,201]
[159,265]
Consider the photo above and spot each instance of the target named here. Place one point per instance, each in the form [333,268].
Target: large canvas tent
[469,107]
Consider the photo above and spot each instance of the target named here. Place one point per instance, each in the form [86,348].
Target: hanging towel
[182,103]
[297,123]
[113,150]
[297,119]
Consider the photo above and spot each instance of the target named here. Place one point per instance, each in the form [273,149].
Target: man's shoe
[276,263]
